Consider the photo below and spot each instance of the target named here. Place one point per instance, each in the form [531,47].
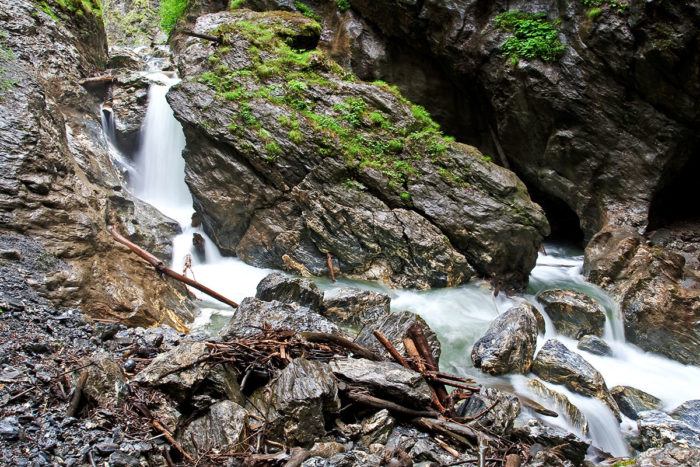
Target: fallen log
[378,403]
[322,337]
[451,429]
[415,332]
[330,266]
[161,268]
[96,80]
[206,37]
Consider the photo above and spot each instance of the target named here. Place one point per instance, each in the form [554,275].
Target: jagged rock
[394,327]
[310,194]
[410,447]
[574,314]
[669,455]
[533,431]
[386,379]
[689,412]
[222,429]
[557,364]
[304,394]
[632,401]
[355,307]
[657,428]
[500,418]
[659,307]
[106,384]
[509,343]
[560,404]
[183,369]
[594,345]
[277,286]
[10,428]
[347,459]
[377,428]
[326,449]
[253,314]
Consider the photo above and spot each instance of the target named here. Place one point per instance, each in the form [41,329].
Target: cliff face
[290,158]
[57,184]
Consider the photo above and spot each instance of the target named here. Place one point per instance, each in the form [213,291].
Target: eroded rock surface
[355,307]
[632,401]
[574,314]
[277,286]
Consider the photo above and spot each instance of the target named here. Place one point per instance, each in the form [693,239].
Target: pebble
[129,366]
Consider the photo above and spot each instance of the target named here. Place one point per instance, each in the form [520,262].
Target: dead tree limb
[77,394]
[450,428]
[330,266]
[391,349]
[160,267]
[96,80]
[357,349]
[206,37]
[415,332]
[378,403]
[171,440]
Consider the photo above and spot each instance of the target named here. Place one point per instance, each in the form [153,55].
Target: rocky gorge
[294,163]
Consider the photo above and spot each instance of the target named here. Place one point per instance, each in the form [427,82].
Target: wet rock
[377,428]
[506,407]
[509,343]
[221,429]
[594,345]
[669,455]
[253,314]
[394,326]
[106,448]
[347,459]
[355,307]
[557,364]
[326,449]
[10,428]
[560,404]
[688,412]
[106,385]
[535,432]
[632,401]
[122,459]
[410,446]
[574,314]
[304,394]
[386,379]
[657,428]
[277,286]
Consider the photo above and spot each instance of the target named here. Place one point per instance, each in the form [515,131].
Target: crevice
[564,223]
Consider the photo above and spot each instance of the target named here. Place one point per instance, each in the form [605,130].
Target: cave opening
[563,222]
[677,200]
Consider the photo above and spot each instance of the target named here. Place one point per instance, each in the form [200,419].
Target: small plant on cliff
[343,5]
[170,12]
[6,55]
[305,10]
[619,5]
[533,36]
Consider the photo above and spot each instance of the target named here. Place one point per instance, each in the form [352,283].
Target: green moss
[295,136]
[6,55]
[619,5]
[170,12]
[235,4]
[305,10]
[343,5]
[273,150]
[594,13]
[533,36]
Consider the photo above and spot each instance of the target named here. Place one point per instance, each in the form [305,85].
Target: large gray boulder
[574,314]
[285,289]
[221,429]
[557,364]
[355,307]
[594,345]
[632,401]
[253,314]
[395,326]
[388,380]
[509,343]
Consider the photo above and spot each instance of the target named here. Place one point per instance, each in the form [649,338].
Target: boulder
[277,286]
[569,445]
[657,429]
[557,364]
[303,395]
[355,308]
[509,343]
[574,314]
[560,404]
[221,429]
[594,345]
[377,428]
[632,401]
[253,314]
[688,412]
[506,408]
[326,449]
[394,326]
[106,385]
[387,380]
[669,455]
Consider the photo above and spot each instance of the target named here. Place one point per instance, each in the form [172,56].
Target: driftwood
[415,332]
[322,337]
[378,403]
[330,266]
[171,440]
[206,37]
[97,80]
[391,349]
[161,268]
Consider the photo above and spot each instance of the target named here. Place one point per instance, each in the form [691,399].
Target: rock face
[632,401]
[253,314]
[557,364]
[317,163]
[56,178]
[603,129]
[657,429]
[574,314]
[395,326]
[509,344]
[658,295]
[354,307]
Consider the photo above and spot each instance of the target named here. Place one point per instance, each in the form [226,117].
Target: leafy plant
[170,12]
[305,10]
[533,36]
[343,5]
[235,4]
[594,13]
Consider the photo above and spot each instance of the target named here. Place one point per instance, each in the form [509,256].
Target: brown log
[378,403]
[298,456]
[441,374]
[77,395]
[171,440]
[330,266]
[206,37]
[357,349]
[96,80]
[160,267]
[391,349]
[412,352]
[415,332]
[455,384]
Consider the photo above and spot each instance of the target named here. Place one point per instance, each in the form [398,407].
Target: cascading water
[459,315]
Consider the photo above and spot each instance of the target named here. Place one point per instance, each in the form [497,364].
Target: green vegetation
[343,5]
[235,4]
[170,12]
[6,55]
[619,5]
[594,13]
[533,36]
[305,10]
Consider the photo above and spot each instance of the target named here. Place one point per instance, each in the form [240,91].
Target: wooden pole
[160,267]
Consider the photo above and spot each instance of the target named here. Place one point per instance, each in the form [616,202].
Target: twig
[171,440]
[207,37]
[322,337]
[390,348]
[391,406]
[480,414]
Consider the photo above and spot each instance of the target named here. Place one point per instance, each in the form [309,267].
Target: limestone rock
[222,429]
[632,401]
[388,380]
[277,286]
[394,326]
[574,314]
[253,314]
[557,364]
[509,343]
[594,345]
[355,307]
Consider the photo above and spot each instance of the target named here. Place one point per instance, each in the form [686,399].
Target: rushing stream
[459,315]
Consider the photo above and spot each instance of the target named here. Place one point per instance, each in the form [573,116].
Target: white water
[459,315]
